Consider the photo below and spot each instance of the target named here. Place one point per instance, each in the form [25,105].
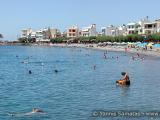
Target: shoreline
[153,53]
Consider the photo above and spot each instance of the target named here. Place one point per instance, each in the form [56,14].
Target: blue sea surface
[77,90]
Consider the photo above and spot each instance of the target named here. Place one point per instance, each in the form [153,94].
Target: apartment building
[54,33]
[122,30]
[89,31]
[25,33]
[73,32]
[132,28]
[111,31]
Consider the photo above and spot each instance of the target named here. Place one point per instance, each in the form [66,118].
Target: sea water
[77,89]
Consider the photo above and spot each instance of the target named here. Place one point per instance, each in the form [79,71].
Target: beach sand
[154,52]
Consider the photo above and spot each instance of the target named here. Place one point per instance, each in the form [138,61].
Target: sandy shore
[153,52]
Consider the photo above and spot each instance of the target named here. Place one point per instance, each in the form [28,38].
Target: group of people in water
[137,57]
[125,80]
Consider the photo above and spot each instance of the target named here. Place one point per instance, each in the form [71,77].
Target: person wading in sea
[125,80]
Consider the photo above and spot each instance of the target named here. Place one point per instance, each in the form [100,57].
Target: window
[149,26]
[73,30]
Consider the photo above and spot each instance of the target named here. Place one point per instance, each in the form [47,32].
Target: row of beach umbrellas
[112,43]
[139,44]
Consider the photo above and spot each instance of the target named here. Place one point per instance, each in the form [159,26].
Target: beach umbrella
[138,43]
[109,43]
[115,43]
[124,43]
[99,43]
[150,45]
[157,45]
[130,43]
[142,44]
[119,43]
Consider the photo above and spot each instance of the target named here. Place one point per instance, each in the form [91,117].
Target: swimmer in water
[56,71]
[30,72]
[37,110]
[94,67]
[142,58]
[117,57]
[34,111]
[105,57]
[133,58]
[138,55]
[125,80]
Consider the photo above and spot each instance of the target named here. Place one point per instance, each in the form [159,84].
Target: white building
[142,26]
[151,27]
[54,33]
[25,33]
[111,30]
[33,35]
[89,31]
[158,25]
[132,28]
[122,30]
[43,35]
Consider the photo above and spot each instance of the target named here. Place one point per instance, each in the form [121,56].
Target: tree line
[97,39]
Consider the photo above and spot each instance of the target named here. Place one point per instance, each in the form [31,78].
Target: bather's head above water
[123,73]
[37,110]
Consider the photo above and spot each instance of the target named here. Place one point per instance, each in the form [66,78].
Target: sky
[36,14]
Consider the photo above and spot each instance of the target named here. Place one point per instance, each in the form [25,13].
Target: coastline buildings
[89,31]
[26,32]
[132,28]
[42,35]
[122,30]
[73,32]
[109,31]
[142,27]
[54,33]
[113,30]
